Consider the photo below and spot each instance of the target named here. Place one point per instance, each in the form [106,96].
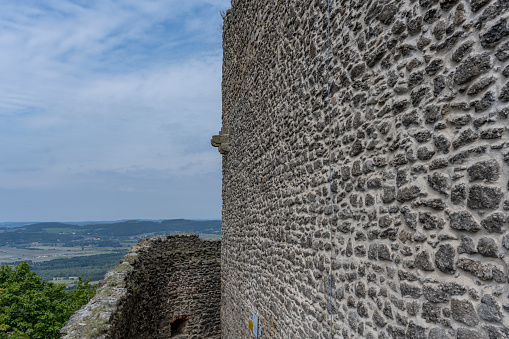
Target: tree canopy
[31,307]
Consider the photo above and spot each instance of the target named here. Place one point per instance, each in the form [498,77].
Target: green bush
[31,307]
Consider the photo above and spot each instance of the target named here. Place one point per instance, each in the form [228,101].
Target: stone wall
[166,287]
[419,153]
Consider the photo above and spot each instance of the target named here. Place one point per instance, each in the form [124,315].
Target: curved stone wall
[166,287]
[419,154]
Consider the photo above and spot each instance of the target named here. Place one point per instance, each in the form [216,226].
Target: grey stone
[482,271]
[442,144]
[434,66]
[439,333]
[502,52]
[444,258]
[408,290]
[427,3]
[494,34]
[447,4]
[494,223]
[505,241]
[432,114]
[464,221]
[414,25]
[429,221]
[464,312]
[423,261]
[476,5]
[472,67]
[383,252]
[496,332]
[484,197]
[431,312]
[493,133]
[458,194]
[466,137]
[423,153]
[408,193]
[387,13]
[487,247]
[443,292]
[439,182]
[487,171]
[389,194]
[504,93]
[489,309]
[462,51]
[505,72]
[378,319]
[466,333]
[416,331]
[467,245]
[461,121]
[485,103]
[481,85]
[451,41]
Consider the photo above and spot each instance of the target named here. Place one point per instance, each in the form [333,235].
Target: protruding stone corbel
[221,141]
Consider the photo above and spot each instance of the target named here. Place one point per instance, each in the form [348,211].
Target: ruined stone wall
[166,287]
[419,153]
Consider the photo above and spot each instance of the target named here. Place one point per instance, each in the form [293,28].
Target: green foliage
[31,307]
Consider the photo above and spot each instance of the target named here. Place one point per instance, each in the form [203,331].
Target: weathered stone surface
[497,332]
[476,5]
[439,182]
[159,281]
[444,258]
[494,34]
[467,245]
[494,223]
[502,53]
[489,309]
[443,292]
[487,247]
[481,84]
[487,171]
[462,51]
[466,137]
[410,291]
[464,221]
[458,194]
[423,261]
[480,197]
[467,333]
[419,158]
[464,312]
[482,271]
[504,93]
[472,67]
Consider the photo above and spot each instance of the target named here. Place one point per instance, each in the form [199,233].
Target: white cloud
[117,87]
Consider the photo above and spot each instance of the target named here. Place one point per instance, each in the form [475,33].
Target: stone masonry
[166,287]
[419,93]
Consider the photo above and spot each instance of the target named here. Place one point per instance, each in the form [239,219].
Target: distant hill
[82,233]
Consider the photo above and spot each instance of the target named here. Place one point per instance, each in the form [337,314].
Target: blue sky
[107,109]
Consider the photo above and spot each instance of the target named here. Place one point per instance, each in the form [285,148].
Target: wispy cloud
[126,88]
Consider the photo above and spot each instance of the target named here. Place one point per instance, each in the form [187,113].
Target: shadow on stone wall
[166,287]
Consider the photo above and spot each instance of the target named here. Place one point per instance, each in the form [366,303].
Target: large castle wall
[419,152]
[161,281]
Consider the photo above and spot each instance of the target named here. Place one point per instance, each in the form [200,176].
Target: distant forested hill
[102,234]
